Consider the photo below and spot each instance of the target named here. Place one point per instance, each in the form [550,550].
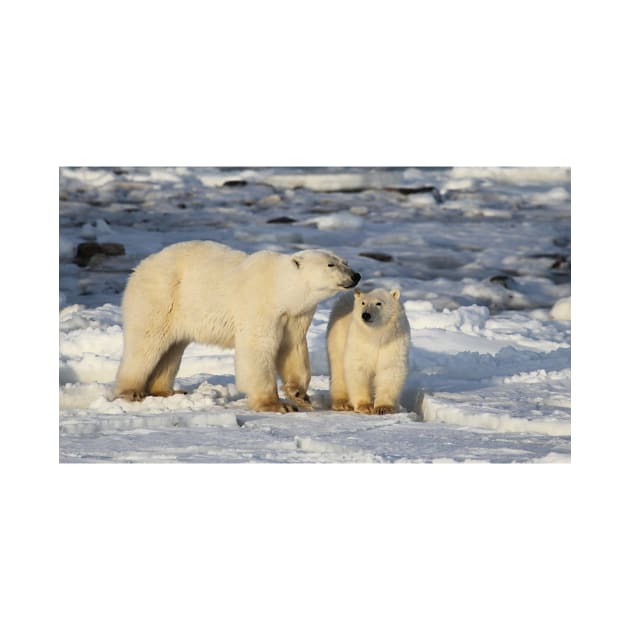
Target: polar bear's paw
[298,397]
[277,406]
[132,395]
[364,407]
[166,393]
[341,405]
[382,410]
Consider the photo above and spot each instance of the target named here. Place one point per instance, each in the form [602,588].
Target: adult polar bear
[260,304]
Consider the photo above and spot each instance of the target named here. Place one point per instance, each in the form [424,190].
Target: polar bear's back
[204,265]
[191,287]
[202,254]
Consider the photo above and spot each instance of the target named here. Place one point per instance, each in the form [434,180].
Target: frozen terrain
[482,257]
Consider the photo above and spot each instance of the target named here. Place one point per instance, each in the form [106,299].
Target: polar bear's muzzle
[354,280]
[370,316]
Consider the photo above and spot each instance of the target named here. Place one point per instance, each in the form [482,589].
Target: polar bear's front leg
[292,360]
[255,363]
[295,371]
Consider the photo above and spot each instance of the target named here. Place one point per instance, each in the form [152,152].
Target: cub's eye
[331,264]
[379,304]
[362,303]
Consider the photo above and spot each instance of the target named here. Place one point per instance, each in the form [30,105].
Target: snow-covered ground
[482,256]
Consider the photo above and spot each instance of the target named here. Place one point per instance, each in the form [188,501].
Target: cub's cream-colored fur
[368,347]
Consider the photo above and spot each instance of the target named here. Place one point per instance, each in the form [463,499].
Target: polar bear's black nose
[355,277]
[366,317]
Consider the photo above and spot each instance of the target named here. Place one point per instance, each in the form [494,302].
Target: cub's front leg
[391,374]
[359,383]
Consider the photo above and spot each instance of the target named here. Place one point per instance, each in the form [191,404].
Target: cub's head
[376,307]
[323,272]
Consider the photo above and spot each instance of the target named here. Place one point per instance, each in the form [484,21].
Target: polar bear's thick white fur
[260,304]
[368,348]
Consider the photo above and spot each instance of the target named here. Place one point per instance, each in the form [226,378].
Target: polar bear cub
[368,347]
[260,304]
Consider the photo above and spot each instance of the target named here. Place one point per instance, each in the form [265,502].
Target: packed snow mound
[468,319]
[509,406]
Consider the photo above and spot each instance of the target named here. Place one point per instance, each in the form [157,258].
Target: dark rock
[87,250]
[113,249]
[119,171]
[380,256]
[282,220]
[234,183]
[413,190]
[352,190]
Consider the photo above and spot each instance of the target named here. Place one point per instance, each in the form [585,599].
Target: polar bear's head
[324,273]
[376,307]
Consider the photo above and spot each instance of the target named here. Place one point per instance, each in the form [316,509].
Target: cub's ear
[357,293]
[296,262]
[396,294]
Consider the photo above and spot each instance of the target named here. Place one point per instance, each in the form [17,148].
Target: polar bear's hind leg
[160,383]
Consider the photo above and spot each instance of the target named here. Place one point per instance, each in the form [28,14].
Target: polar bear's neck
[299,299]
[295,291]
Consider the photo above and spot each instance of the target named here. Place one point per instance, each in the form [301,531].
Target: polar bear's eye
[379,304]
[362,303]
[331,264]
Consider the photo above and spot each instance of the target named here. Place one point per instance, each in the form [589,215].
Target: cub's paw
[382,410]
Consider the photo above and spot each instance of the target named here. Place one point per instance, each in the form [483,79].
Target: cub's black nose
[356,277]
[366,317]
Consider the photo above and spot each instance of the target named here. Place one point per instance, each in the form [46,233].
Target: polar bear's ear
[296,262]
[396,294]
[357,293]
